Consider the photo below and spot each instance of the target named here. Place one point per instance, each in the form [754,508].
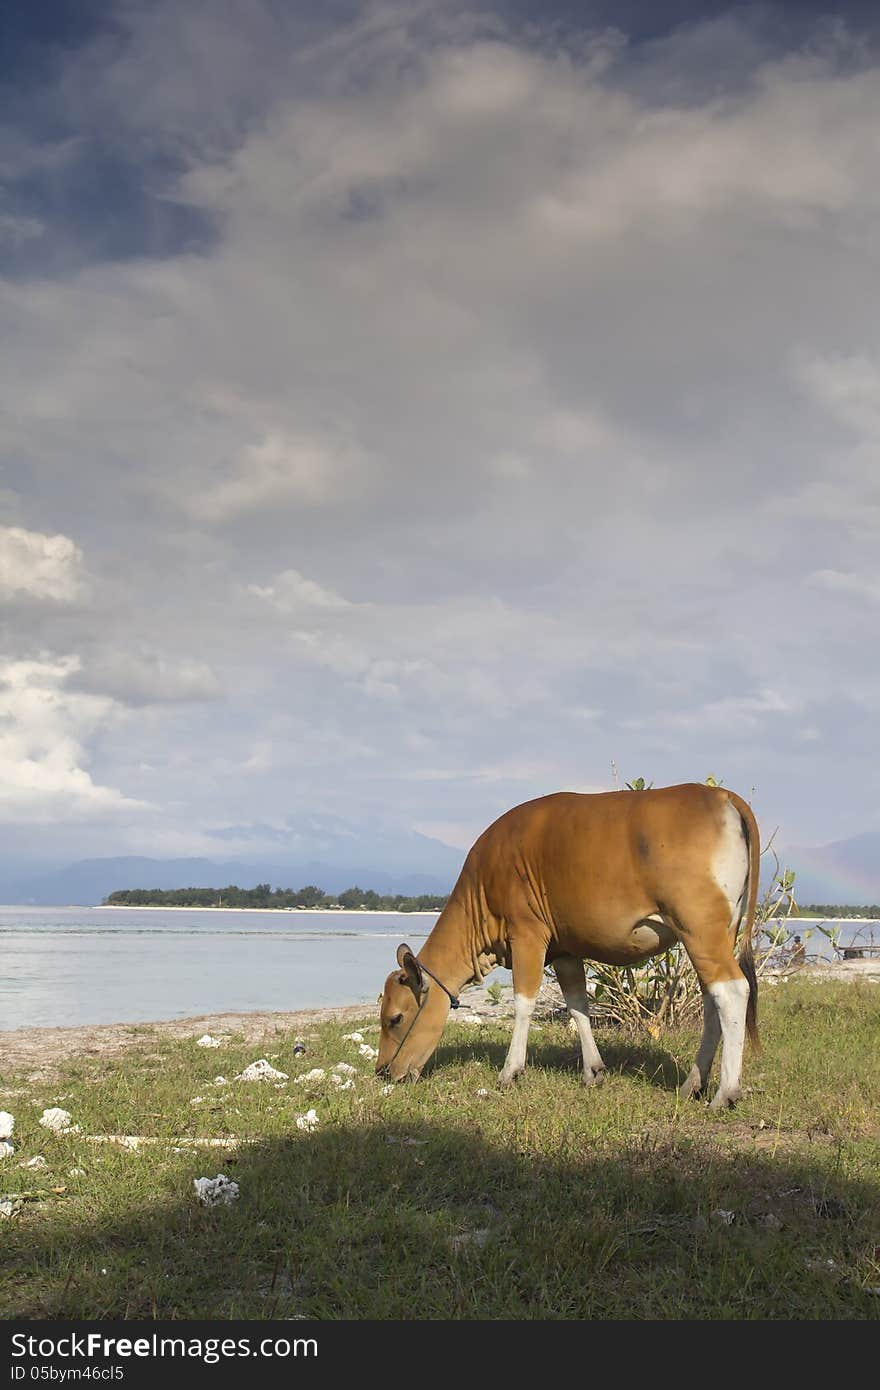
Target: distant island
[264,896]
[831,910]
[314,899]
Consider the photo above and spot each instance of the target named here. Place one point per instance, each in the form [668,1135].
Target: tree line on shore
[838,910]
[263,896]
[314,898]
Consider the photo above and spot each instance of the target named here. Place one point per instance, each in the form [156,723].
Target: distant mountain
[89,881]
[846,872]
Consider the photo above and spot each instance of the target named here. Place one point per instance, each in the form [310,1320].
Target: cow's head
[412,1015]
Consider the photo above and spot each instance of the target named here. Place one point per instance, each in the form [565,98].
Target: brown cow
[614,877]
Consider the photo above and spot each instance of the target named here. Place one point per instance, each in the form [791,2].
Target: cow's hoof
[692,1087]
[506,1078]
[724,1100]
[594,1076]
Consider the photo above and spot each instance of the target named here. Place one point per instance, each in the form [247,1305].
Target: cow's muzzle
[412,1074]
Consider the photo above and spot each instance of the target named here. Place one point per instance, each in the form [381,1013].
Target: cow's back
[581,861]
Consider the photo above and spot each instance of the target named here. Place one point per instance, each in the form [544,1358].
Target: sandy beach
[39,1050]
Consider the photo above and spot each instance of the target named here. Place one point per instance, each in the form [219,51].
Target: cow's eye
[393,1022]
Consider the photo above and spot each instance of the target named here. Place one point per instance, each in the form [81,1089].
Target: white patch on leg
[594,1067]
[730,865]
[570,974]
[731,998]
[515,1062]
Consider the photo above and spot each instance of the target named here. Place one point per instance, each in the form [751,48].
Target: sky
[412,409]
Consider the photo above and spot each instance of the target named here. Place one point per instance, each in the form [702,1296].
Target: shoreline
[330,911]
[283,911]
[38,1050]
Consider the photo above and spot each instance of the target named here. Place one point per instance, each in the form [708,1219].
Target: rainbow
[846,884]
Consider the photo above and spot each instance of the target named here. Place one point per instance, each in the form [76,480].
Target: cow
[610,876]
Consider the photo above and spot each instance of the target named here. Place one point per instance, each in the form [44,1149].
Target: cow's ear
[409,965]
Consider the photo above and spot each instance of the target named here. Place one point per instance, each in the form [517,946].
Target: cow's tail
[746,959]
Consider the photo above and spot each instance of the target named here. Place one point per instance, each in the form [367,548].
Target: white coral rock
[216,1192]
[261,1071]
[58,1121]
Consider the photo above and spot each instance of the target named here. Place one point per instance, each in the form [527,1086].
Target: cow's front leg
[527,964]
[573,983]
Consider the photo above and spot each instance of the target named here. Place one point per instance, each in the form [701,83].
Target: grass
[545,1201]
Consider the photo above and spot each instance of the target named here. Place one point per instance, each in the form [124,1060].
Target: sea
[74,966]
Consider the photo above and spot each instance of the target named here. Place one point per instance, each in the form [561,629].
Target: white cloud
[788,150]
[845,389]
[43,727]
[451,654]
[144,677]
[846,583]
[292,592]
[281,470]
[734,715]
[848,388]
[36,566]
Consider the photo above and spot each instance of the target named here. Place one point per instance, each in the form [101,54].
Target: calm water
[61,966]
[77,965]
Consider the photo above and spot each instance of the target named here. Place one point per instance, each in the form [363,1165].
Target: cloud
[448,654]
[43,726]
[143,677]
[280,470]
[731,716]
[846,391]
[291,592]
[515,407]
[848,584]
[15,230]
[36,566]
[848,388]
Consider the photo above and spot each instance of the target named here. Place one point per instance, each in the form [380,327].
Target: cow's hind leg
[698,1076]
[731,998]
[527,965]
[572,982]
[708,938]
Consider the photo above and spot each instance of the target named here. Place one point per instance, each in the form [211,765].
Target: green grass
[544,1201]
